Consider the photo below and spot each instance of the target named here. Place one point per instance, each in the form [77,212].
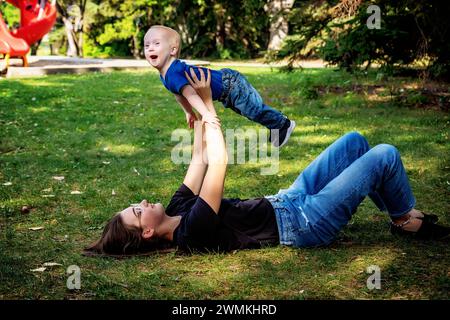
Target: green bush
[11,15]
[410,31]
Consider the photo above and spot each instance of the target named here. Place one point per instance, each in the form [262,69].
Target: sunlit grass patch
[110,136]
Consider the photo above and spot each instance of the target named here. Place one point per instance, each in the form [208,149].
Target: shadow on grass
[409,269]
[111,132]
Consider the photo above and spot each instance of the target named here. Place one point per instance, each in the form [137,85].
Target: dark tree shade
[410,30]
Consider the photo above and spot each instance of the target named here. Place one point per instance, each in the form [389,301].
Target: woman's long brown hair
[119,239]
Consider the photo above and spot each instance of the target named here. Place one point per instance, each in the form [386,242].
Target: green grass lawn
[109,136]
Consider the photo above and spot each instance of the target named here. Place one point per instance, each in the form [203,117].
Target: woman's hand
[202,86]
[211,118]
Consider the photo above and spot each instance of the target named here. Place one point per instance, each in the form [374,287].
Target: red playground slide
[32,28]
[10,46]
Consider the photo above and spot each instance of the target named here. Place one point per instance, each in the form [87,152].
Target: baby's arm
[185,105]
[191,117]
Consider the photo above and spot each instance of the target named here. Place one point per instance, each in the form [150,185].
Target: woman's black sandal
[427,231]
[429,217]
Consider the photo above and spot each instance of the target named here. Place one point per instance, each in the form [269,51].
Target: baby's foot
[280,139]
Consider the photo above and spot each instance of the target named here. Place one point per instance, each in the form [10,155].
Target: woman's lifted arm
[197,167]
[211,189]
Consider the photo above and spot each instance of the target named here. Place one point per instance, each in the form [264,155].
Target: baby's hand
[211,118]
[191,117]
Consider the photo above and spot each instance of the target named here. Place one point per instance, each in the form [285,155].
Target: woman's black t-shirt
[240,224]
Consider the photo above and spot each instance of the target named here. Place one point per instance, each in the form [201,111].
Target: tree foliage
[208,28]
[10,14]
[334,30]
[410,31]
[214,28]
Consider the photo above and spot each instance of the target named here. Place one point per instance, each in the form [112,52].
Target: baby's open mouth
[153,57]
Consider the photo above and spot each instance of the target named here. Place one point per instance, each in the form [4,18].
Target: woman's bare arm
[197,168]
[213,183]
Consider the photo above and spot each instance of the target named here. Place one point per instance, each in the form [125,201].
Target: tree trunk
[35,47]
[72,14]
[277,10]
[72,50]
[80,39]
[80,45]
[220,26]
[79,22]
[136,50]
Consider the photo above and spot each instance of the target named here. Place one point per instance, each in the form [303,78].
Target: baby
[162,49]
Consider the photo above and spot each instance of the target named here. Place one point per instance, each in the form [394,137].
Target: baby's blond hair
[174,37]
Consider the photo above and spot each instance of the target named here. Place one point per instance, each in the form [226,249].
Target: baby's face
[157,48]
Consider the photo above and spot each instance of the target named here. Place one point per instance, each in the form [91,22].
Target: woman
[310,213]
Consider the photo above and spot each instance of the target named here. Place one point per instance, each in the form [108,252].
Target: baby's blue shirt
[175,78]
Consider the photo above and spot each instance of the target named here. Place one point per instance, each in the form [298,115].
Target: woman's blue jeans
[323,198]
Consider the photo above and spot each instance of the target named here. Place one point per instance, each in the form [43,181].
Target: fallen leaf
[113,192]
[134,169]
[51,264]
[60,239]
[36,228]
[47,195]
[76,192]
[7,183]
[47,190]
[59,178]
[42,269]
[106,162]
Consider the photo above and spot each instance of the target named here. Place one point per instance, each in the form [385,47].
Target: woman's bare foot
[409,222]
[419,225]
[416,213]
[427,217]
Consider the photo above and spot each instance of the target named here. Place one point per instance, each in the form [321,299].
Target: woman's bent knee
[386,151]
[356,138]
[355,135]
